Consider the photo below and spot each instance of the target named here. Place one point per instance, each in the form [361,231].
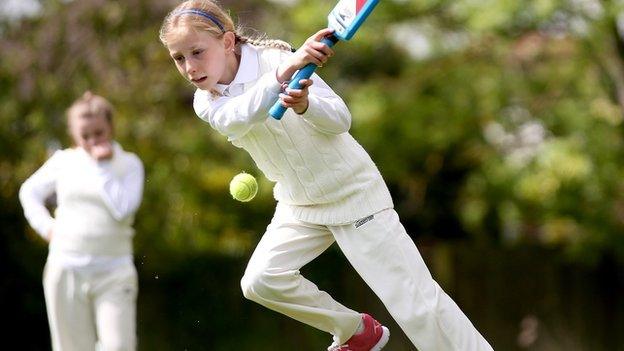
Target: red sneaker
[373,338]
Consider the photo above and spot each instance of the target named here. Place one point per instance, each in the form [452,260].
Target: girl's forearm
[122,195]
[285,71]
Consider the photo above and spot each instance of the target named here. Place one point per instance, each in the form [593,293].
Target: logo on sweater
[361,222]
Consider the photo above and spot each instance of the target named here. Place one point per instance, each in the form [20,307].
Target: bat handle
[277,110]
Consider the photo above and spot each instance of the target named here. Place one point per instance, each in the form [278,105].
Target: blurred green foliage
[498,122]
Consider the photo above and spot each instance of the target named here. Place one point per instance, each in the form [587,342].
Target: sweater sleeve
[35,190]
[233,116]
[326,111]
[122,194]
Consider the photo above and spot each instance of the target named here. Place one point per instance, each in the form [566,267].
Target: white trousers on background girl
[88,308]
[385,257]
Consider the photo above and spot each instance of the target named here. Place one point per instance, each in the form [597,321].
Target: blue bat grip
[277,111]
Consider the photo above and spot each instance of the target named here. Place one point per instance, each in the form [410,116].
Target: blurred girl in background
[90,281]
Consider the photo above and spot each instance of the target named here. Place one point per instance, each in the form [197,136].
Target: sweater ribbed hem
[372,199]
[100,245]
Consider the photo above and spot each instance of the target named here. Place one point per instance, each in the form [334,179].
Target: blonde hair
[90,105]
[214,20]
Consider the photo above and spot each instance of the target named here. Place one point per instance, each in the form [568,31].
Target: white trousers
[88,308]
[385,257]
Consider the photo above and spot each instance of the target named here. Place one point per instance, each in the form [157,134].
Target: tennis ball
[243,187]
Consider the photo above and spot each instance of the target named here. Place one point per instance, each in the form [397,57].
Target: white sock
[360,327]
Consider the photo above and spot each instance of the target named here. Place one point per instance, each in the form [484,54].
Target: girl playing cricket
[327,187]
[90,281]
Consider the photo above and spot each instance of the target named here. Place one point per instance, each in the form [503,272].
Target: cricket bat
[345,19]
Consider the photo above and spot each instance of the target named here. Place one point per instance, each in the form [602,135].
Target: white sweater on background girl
[323,175]
[96,202]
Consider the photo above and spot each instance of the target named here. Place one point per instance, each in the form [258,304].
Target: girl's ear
[229,41]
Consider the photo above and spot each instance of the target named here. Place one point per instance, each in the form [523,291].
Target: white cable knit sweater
[96,201]
[323,175]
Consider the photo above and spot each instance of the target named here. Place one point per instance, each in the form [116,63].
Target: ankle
[360,328]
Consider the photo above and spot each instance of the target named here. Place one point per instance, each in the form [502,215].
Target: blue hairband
[203,14]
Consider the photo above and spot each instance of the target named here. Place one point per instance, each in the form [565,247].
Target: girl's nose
[190,67]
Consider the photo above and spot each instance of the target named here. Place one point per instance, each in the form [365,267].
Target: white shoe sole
[383,341]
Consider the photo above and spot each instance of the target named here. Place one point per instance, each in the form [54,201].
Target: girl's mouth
[199,80]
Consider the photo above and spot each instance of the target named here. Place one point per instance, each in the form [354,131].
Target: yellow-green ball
[243,187]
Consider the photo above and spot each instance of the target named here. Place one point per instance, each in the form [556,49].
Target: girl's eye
[178,58]
[197,52]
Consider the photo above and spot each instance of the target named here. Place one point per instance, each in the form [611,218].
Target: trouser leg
[69,310]
[272,277]
[387,259]
[115,295]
